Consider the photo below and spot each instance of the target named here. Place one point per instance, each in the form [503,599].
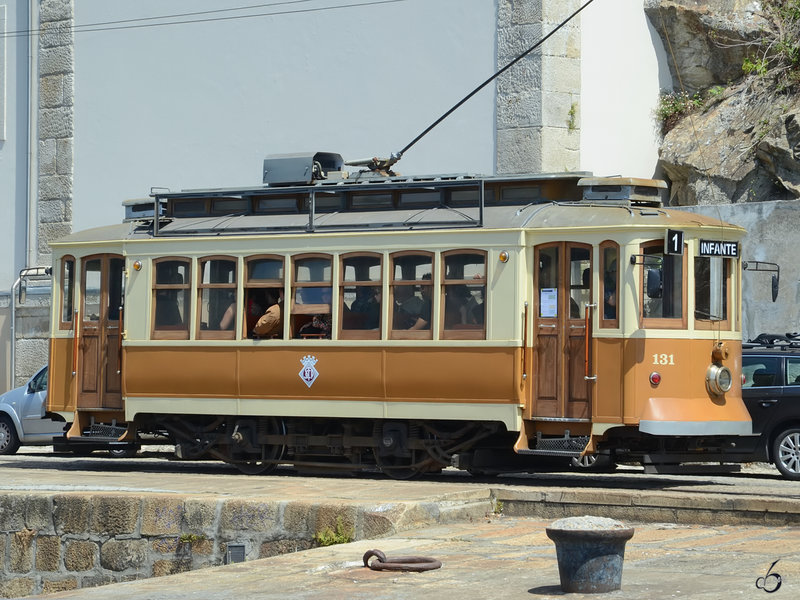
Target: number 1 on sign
[674,243]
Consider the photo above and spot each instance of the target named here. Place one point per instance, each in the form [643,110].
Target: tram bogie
[403,324]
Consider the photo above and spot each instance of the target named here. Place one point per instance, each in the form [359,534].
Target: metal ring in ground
[399,563]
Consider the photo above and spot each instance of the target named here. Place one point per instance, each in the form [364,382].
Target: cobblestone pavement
[498,557]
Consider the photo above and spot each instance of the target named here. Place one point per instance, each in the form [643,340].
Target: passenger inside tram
[412,311]
[270,324]
[365,311]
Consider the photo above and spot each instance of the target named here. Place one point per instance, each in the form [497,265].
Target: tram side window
[116,287]
[412,291]
[92,274]
[547,282]
[662,283]
[311,297]
[171,298]
[580,281]
[711,288]
[217,297]
[464,295]
[263,296]
[361,294]
[609,259]
[67,291]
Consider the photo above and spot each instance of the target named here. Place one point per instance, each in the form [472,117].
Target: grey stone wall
[56,100]
[32,334]
[538,99]
[54,542]
[55,174]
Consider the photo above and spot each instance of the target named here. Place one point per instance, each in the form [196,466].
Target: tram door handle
[587,333]
[547,326]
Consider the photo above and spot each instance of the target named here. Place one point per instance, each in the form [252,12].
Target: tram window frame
[419,199]
[365,202]
[579,279]
[470,197]
[269,205]
[304,313]
[66,287]
[188,207]
[206,333]
[176,331]
[704,320]
[325,201]
[421,283]
[463,330]
[518,194]
[668,260]
[96,298]
[609,269]
[346,317]
[251,284]
[221,206]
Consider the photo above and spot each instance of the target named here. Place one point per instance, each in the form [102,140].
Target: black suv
[771,391]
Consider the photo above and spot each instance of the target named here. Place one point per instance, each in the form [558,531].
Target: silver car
[22,416]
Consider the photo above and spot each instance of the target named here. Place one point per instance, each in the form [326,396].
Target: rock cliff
[738,62]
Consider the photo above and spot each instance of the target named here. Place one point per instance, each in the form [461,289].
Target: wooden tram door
[100,350]
[562,285]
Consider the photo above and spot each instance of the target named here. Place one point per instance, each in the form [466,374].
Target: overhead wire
[397,155]
[139,23]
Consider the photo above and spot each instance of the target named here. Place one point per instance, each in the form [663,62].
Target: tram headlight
[718,379]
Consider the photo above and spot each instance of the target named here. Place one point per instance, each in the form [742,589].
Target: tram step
[564,446]
[104,431]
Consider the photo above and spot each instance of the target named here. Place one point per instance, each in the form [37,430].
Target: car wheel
[9,440]
[786,453]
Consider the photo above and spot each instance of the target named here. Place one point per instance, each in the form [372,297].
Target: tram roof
[545,215]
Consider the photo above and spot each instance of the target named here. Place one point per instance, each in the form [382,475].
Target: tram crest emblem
[309,372]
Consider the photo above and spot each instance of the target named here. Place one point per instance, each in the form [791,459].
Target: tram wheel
[786,453]
[256,467]
[398,467]
[593,462]
[270,454]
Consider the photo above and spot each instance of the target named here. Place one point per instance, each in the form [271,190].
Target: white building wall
[197,105]
[623,68]
[13,140]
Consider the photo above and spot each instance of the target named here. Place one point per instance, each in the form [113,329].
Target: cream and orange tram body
[416,323]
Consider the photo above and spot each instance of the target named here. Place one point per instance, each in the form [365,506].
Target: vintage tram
[368,320]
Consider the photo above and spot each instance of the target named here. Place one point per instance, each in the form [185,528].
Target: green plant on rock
[755,66]
[191,538]
[775,55]
[329,537]
[673,106]
[571,117]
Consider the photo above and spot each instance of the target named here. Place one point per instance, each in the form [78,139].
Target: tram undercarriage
[405,449]
[399,449]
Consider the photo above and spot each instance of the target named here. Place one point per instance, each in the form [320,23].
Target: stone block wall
[53,542]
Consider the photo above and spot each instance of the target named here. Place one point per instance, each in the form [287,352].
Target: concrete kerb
[699,509]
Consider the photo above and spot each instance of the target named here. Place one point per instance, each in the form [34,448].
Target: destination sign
[719,248]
